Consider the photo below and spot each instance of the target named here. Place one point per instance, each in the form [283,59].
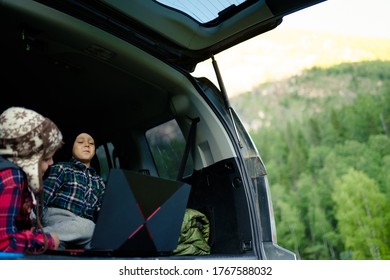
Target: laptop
[141,215]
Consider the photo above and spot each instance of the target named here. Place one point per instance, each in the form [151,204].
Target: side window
[167,145]
[104,155]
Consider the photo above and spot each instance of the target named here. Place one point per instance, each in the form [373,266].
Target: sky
[256,60]
[352,17]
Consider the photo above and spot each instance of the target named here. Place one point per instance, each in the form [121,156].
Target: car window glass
[249,150]
[105,157]
[167,144]
[201,10]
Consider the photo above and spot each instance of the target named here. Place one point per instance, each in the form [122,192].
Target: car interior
[81,77]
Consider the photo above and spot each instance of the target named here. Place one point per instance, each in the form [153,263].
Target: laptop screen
[140,214]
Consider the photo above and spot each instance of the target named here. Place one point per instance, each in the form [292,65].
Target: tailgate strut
[225,97]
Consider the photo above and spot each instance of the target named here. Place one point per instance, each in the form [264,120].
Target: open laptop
[140,214]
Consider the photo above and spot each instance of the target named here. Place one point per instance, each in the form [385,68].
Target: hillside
[321,124]
[283,53]
[324,137]
[313,91]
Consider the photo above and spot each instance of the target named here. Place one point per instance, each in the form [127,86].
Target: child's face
[46,162]
[84,148]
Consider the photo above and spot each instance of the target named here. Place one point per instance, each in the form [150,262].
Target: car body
[122,70]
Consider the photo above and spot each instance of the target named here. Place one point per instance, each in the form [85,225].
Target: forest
[323,135]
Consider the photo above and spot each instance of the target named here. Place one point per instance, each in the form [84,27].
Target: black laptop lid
[140,214]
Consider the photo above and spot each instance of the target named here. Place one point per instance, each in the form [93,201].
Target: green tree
[314,132]
[362,215]
[290,224]
[319,242]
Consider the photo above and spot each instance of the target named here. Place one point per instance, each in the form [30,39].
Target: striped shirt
[74,187]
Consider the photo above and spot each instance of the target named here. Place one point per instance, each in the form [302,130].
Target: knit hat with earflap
[27,137]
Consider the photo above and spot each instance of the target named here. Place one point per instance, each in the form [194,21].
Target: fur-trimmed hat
[26,137]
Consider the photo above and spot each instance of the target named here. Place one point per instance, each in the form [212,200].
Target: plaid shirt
[15,208]
[74,187]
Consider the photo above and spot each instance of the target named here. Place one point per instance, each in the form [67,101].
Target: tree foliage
[328,160]
[362,212]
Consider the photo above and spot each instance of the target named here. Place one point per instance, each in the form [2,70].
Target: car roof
[86,63]
[183,33]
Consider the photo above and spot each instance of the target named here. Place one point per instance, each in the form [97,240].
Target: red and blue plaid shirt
[15,209]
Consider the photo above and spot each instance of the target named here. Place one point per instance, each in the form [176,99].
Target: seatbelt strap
[189,147]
